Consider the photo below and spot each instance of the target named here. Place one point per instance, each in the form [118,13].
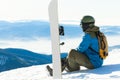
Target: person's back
[87,53]
[90,47]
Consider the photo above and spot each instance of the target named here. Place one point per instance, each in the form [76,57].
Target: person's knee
[72,53]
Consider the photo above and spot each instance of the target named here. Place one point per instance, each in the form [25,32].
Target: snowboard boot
[64,66]
[64,63]
[50,70]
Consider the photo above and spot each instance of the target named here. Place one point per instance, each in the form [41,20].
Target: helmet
[87,22]
[87,19]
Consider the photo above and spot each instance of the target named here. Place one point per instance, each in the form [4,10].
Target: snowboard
[55,39]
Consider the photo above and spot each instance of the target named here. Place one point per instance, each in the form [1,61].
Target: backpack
[103,45]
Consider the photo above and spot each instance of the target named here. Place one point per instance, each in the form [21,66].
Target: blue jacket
[84,48]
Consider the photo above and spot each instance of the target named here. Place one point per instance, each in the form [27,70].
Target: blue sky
[106,12]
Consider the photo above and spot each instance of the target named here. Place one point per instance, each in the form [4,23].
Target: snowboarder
[87,53]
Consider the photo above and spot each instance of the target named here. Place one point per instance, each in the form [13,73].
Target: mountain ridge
[31,30]
[12,58]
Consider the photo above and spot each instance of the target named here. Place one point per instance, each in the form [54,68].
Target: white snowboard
[54,28]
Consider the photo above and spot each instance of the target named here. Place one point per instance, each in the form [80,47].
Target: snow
[109,71]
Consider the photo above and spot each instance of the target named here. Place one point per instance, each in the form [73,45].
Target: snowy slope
[108,71]
[12,58]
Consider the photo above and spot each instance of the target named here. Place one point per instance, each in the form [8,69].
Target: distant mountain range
[12,58]
[29,30]
[24,30]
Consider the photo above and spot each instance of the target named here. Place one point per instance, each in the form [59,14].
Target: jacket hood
[92,28]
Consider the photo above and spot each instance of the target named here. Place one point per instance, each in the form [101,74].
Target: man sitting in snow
[87,53]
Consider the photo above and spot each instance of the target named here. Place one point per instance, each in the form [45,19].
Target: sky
[105,12]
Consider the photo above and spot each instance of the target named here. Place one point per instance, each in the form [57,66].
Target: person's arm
[84,44]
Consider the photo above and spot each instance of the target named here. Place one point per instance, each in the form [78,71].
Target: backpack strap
[102,44]
[100,40]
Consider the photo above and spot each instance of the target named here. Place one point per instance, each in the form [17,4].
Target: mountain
[12,58]
[16,58]
[24,30]
[109,71]
[30,30]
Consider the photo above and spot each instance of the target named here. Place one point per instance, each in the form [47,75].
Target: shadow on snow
[105,69]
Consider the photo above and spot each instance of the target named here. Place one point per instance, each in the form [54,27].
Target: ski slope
[109,71]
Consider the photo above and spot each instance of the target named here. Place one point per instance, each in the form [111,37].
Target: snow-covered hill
[19,38]
[109,71]
[16,58]
[12,58]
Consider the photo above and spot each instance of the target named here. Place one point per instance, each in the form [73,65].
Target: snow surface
[109,71]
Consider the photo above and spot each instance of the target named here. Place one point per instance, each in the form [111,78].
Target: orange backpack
[103,45]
